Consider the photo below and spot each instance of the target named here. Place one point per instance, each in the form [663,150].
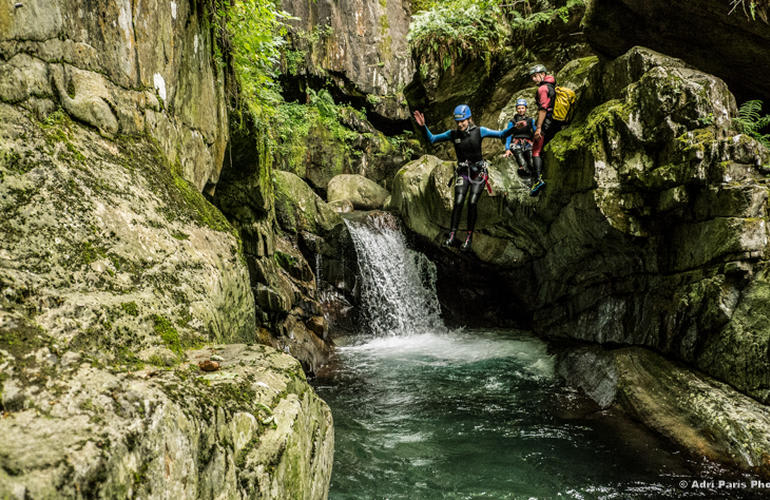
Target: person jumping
[471,173]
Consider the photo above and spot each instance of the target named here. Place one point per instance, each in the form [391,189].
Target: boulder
[706,417]
[361,192]
[254,428]
[298,208]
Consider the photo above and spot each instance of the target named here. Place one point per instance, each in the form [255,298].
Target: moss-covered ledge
[253,428]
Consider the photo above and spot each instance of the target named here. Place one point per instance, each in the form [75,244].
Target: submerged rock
[704,416]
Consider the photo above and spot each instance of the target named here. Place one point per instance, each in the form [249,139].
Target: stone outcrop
[359,45]
[704,416]
[363,193]
[123,68]
[284,287]
[651,230]
[114,267]
[252,429]
[319,233]
[709,34]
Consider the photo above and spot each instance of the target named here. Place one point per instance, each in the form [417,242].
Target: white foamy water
[398,285]
[444,348]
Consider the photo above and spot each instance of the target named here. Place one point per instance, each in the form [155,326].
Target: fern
[448,30]
[752,122]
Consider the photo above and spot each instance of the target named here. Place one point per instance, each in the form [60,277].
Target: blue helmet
[462,112]
[521,102]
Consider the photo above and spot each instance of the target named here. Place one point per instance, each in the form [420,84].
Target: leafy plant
[752,8]
[752,122]
[252,32]
[448,30]
[524,19]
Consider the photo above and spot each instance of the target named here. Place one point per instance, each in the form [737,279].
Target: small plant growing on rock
[752,123]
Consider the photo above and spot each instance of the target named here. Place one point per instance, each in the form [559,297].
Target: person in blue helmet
[519,143]
[471,174]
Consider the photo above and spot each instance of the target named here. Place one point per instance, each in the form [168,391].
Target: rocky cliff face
[652,229]
[718,37]
[360,45]
[124,68]
[114,267]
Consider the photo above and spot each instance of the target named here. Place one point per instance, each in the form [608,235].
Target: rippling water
[479,414]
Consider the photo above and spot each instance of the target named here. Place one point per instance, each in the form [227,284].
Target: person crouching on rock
[546,126]
[471,174]
[519,144]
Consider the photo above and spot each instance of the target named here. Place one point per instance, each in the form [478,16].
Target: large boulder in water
[706,417]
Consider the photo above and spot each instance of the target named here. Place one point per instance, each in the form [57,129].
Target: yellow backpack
[563,103]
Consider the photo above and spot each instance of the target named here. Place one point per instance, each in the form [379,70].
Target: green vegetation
[167,333]
[443,31]
[450,29]
[295,124]
[130,308]
[523,19]
[752,8]
[752,123]
[253,34]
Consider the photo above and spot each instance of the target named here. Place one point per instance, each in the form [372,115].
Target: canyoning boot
[537,177]
[537,186]
[451,240]
[468,240]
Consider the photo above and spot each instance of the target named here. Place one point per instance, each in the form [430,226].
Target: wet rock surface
[703,415]
[252,429]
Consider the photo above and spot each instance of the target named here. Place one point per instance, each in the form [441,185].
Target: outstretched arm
[502,134]
[508,142]
[420,119]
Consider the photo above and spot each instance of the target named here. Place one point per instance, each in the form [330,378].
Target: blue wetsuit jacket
[468,143]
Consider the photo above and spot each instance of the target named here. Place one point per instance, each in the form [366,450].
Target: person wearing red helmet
[471,174]
[546,126]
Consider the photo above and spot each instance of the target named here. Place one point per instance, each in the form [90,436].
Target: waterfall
[398,285]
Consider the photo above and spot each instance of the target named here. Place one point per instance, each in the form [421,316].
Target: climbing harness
[476,173]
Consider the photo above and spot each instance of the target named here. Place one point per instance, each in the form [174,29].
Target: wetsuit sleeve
[445,136]
[533,124]
[508,139]
[501,134]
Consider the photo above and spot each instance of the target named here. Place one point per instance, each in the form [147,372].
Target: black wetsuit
[471,173]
